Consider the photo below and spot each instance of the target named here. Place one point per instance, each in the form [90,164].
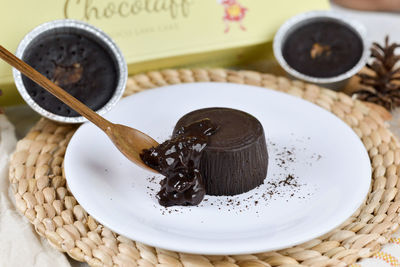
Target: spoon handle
[57,91]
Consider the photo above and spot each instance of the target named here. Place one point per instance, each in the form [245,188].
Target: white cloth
[20,245]
[388,256]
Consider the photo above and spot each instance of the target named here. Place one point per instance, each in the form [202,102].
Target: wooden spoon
[129,141]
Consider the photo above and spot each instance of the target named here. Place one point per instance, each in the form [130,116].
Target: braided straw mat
[39,185]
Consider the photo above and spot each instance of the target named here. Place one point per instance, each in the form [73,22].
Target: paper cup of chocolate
[79,58]
[321,47]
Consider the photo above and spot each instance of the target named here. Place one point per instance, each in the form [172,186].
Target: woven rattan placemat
[41,192]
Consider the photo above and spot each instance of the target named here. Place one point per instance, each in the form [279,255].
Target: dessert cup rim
[287,26]
[99,36]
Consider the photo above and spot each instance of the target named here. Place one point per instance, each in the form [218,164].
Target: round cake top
[236,129]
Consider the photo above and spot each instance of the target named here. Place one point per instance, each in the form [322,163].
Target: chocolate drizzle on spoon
[179,159]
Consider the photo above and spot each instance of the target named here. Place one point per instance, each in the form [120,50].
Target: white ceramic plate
[330,168]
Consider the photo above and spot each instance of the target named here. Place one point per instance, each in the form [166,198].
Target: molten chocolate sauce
[179,159]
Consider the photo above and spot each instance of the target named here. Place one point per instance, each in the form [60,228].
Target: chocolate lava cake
[235,159]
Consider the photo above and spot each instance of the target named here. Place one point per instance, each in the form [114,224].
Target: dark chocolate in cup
[79,58]
[324,49]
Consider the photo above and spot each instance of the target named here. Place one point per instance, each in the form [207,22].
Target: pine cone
[381,88]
